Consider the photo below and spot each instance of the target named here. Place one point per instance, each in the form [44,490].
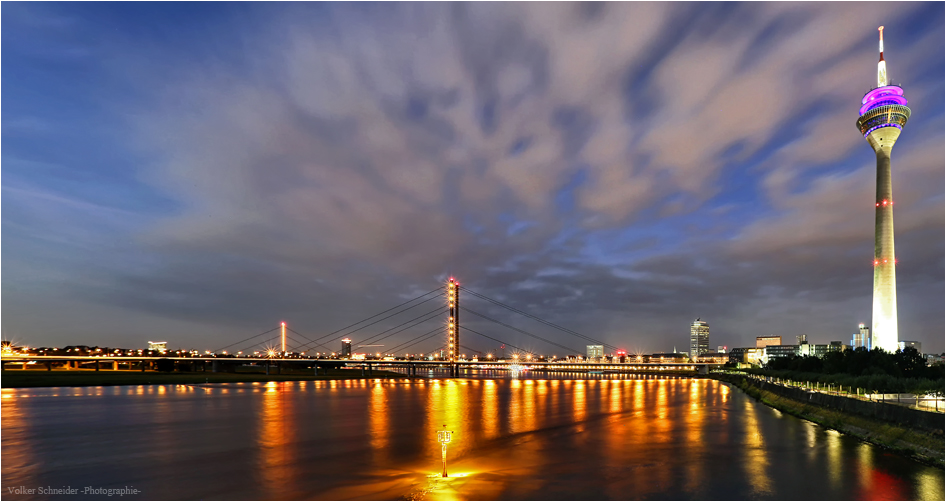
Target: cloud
[342,157]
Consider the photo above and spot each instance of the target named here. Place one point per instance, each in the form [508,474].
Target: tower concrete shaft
[882,116]
[884,311]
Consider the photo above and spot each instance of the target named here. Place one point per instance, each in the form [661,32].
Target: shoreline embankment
[914,433]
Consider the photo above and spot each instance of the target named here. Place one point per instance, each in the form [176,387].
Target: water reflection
[278,469]
[19,464]
[833,446]
[378,418]
[667,438]
[578,403]
[490,406]
[694,432]
[755,457]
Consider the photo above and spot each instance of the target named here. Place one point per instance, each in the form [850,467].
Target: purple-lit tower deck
[882,117]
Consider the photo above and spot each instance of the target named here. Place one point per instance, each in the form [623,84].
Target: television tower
[883,115]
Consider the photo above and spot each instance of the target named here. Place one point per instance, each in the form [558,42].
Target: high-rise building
[861,338]
[764,341]
[595,352]
[699,338]
[346,347]
[882,117]
[802,339]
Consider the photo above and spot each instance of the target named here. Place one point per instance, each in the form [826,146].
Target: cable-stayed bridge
[443,342]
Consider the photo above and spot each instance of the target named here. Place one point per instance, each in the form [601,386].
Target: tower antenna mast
[881,65]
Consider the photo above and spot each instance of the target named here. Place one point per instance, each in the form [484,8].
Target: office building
[737,355]
[595,352]
[161,347]
[771,351]
[346,347]
[882,117]
[754,356]
[764,341]
[810,349]
[699,338]
[801,339]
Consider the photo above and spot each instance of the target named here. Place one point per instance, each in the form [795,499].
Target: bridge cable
[428,315]
[543,321]
[498,340]
[380,313]
[296,343]
[412,341]
[524,332]
[471,350]
[266,341]
[250,338]
[383,318]
[309,339]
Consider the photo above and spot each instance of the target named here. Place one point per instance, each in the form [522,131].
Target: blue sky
[198,172]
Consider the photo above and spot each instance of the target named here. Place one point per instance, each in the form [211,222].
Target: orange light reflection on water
[378,419]
[696,446]
[755,459]
[490,406]
[578,402]
[278,467]
[19,461]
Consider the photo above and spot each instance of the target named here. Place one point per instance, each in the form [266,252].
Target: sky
[199,172]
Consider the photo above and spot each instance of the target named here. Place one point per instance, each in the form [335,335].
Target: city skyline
[194,173]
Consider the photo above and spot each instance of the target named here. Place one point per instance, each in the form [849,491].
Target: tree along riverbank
[86,378]
[921,443]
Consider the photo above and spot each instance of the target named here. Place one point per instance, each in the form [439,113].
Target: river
[369,439]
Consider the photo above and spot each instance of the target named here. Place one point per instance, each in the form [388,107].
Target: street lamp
[444,437]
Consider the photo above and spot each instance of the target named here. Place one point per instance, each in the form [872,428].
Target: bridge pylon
[453,320]
[283,332]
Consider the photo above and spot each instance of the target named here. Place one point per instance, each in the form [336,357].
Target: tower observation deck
[882,116]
